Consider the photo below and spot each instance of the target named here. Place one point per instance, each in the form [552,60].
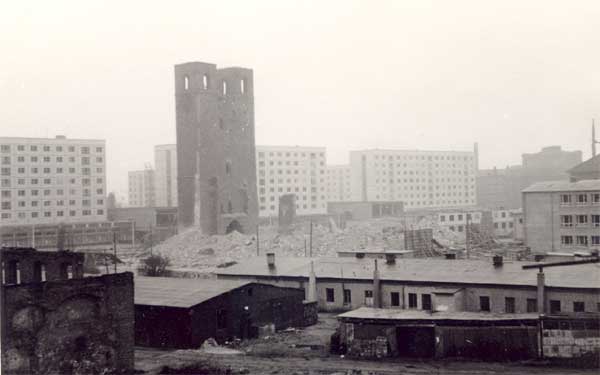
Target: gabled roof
[180,292]
[592,165]
[559,186]
[420,270]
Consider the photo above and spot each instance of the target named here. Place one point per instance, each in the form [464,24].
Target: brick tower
[215,148]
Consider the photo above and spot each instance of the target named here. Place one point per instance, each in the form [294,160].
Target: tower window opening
[243,86]
[186,83]
[224,88]
[205,82]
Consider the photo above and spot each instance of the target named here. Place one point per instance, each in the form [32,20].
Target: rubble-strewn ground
[306,352]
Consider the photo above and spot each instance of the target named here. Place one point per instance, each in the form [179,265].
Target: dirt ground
[306,352]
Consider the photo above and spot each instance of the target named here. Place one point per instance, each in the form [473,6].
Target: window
[595,198]
[595,240]
[596,220]
[330,295]
[582,240]
[347,297]
[205,82]
[509,305]
[426,301]
[186,83]
[221,319]
[578,306]
[566,240]
[565,199]
[395,299]
[582,220]
[224,88]
[368,297]
[581,199]
[412,300]
[531,305]
[243,86]
[484,303]
[566,220]
[554,306]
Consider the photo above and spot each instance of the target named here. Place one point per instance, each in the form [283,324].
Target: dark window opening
[347,297]
[554,306]
[229,207]
[395,298]
[13,274]
[221,319]
[484,303]
[509,305]
[39,272]
[250,292]
[578,306]
[531,305]
[330,295]
[426,301]
[369,297]
[412,300]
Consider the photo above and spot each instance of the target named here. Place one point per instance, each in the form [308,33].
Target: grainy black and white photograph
[341,187]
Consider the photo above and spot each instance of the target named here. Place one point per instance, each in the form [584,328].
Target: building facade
[165,175]
[49,180]
[141,188]
[338,179]
[420,179]
[216,167]
[291,170]
[562,216]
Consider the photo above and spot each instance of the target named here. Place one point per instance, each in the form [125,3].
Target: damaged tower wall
[215,148]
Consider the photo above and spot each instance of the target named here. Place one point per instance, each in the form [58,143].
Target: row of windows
[46,192]
[48,214]
[48,181]
[579,220]
[47,159]
[312,155]
[298,207]
[34,170]
[206,84]
[48,148]
[579,199]
[422,157]
[579,240]
[48,203]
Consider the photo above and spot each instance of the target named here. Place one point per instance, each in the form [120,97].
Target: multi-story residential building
[50,180]
[501,188]
[165,175]
[291,170]
[420,179]
[562,216]
[338,183]
[141,188]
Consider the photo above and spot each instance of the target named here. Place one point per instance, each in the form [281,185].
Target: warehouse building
[182,313]
[433,284]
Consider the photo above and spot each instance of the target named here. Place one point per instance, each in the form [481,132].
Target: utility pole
[257,242]
[115,250]
[151,240]
[467,232]
[594,141]
[305,254]
[310,239]
[132,233]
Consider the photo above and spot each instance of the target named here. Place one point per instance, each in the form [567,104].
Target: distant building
[165,175]
[291,170]
[216,167]
[50,180]
[338,179]
[365,210]
[562,216]
[501,188]
[588,170]
[420,179]
[141,188]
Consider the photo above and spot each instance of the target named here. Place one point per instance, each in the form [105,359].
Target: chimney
[312,284]
[498,260]
[271,260]
[390,258]
[376,288]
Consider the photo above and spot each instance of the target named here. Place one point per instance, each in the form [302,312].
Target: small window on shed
[205,82]
[395,298]
[330,295]
[484,303]
[186,83]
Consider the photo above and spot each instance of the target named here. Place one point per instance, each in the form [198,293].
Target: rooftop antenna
[594,141]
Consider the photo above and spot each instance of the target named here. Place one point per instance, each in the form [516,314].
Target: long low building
[342,284]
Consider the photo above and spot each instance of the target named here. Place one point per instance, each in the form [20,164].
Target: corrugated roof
[423,270]
[556,186]
[394,314]
[179,292]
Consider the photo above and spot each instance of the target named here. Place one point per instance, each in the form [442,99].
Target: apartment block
[561,215]
[291,170]
[338,179]
[165,175]
[420,179]
[49,180]
[141,188]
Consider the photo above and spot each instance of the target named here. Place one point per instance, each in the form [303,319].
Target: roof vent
[271,260]
[498,260]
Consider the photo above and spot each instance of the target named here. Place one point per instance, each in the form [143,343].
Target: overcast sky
[512,75]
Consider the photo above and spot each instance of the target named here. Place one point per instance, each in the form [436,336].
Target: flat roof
[556,186]
[375,251]
[421,270]
[396,314]
[180,292]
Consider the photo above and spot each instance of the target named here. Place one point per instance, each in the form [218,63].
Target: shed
[182,313]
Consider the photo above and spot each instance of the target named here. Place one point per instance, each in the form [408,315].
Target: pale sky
[512,75]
